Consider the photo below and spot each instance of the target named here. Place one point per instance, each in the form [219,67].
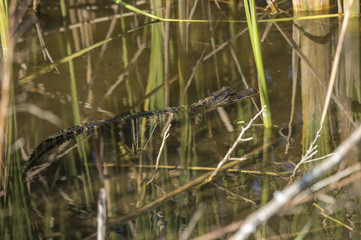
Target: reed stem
[253,33]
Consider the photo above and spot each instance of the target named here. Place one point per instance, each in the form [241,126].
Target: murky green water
[154,65]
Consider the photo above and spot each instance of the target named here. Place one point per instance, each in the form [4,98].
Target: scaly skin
[222,97]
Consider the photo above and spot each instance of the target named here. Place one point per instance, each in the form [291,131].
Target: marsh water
[122,62]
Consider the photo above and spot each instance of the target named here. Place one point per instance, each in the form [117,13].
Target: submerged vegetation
[281,166]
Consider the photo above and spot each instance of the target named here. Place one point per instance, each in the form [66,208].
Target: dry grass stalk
[7,41]
[102,214]
[195,168]
[313,147]
[165,136]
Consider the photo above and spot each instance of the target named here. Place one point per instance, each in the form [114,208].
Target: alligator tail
[59,138]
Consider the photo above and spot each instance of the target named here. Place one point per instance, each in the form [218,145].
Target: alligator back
[222,97]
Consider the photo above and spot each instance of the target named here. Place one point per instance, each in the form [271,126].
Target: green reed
[76,110]
[253,33]
[4,27]
[5,78]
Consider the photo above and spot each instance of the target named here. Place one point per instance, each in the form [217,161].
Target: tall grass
[76,109]
[13,201]
[5,64]
[253,33]
[4,28]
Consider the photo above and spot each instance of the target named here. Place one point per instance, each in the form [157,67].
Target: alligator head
[227,95]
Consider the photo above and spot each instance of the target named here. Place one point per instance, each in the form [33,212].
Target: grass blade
[253,33]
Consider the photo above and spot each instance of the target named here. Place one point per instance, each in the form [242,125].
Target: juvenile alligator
[222,97]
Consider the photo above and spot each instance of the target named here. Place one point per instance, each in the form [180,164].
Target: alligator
[220,98]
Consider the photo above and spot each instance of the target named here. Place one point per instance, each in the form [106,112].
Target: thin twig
[44,49]
[151,134]
[323,213]
[312,147]
[247,200]
[198,168]
[223,45]
[239,139]
[281,198]
[318,159]
[165,136]
[336,61]
[325,182]
[336,177]
[300,198]
[295,68]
